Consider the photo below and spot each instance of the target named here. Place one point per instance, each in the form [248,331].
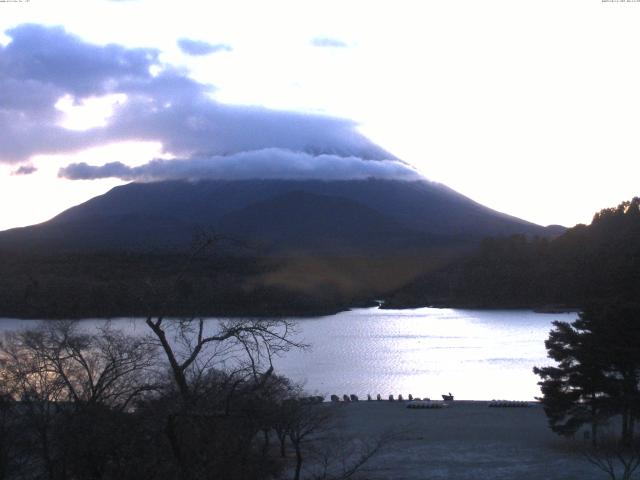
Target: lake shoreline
[537,307]
[309,314]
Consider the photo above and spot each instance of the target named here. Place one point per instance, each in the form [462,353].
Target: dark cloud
[327,42]
[54,58]
[41,65]
[24,170]
[198,47]
[268,163]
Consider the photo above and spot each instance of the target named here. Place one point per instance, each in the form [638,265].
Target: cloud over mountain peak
[268,163]
[163,103]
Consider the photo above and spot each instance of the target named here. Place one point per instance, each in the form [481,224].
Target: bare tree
[613,457]
[59,374]
[242,344]
[242,352]
[304,422]
[28,377]
[341,458]
[247,345]
[320,442]
[13,460]
[284,404]
[102,367]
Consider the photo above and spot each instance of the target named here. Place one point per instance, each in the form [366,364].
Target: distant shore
[311,313]
[537,308]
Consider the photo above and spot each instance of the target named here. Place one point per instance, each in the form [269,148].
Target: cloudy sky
[530,108]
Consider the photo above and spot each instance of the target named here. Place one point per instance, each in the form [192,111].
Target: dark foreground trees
[68,392]
[596,380]
[185,400]
[221,392]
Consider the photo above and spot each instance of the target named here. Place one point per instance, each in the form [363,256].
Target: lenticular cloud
[268,163]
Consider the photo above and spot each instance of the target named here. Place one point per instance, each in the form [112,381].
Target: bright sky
[528,107]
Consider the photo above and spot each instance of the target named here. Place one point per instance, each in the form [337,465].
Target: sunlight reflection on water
[475,354]
[426,352]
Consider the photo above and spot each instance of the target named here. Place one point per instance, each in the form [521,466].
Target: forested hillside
[586,263]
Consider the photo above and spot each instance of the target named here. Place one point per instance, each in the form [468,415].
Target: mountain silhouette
[280,216]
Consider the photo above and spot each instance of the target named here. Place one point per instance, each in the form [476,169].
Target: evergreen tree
[597,373]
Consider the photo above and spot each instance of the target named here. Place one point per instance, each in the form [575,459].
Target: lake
[474,354]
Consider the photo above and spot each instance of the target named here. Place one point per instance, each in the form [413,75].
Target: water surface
[475,354]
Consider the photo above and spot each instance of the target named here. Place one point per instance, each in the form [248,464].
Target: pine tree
[597,372]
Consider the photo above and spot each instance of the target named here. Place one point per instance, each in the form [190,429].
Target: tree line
[594,386]
[133,284]
[600,261]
